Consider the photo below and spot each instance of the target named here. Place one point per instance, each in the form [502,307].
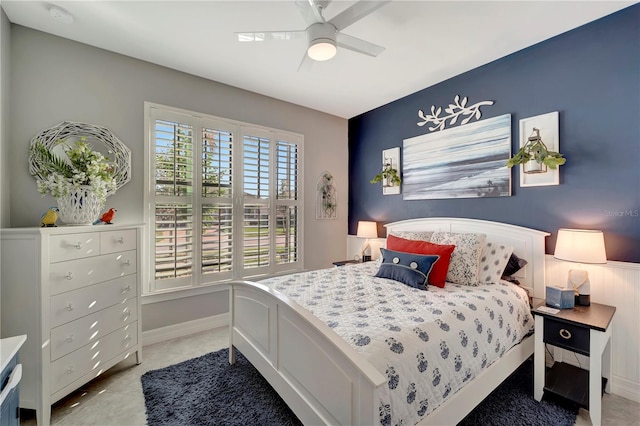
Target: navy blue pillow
[407,268]
[514,265]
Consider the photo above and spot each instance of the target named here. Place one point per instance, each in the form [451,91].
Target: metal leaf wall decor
[455,110]
[326,197]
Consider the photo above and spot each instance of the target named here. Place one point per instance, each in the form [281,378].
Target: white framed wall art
[547,125]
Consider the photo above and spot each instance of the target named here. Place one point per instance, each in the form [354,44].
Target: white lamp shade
[580,245]
[367,229]
[322,49]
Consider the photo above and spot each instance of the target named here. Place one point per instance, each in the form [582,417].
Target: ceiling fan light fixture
[322,49]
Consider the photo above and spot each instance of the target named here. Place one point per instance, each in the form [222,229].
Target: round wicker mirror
[100,138]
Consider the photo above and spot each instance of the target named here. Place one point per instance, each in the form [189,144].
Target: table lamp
[366,229]
[580,246]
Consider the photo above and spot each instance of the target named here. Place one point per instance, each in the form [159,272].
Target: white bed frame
[323,379]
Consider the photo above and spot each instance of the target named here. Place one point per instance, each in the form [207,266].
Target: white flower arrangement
[82,167]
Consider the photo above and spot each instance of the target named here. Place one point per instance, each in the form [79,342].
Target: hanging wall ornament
[326,198]
[454,111]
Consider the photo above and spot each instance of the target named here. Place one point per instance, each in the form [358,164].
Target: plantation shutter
[217,201]
[224,200]
[256,198]
[174,244]
[287,166]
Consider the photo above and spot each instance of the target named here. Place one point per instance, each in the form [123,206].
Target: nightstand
[345,262]
[585,330]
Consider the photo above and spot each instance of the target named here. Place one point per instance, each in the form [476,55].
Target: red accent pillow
[438,275]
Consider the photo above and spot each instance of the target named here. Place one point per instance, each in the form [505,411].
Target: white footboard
[320,377]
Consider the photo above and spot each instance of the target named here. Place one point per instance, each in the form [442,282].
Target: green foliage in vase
[388,173]
[537,151]
[82,167]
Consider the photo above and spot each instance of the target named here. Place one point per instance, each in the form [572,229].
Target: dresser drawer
[69,368]
[115,241]
[73,246]
[74,274]
[66,307]
[567,336]
[71,336]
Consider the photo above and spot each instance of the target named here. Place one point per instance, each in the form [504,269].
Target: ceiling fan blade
[270,35]
[358,45]
[311,10]
[356,12]
[306,63]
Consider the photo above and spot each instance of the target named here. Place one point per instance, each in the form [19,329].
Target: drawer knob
[78,245]
[69,276]
[126,289]
[565,334]
[127,262]
[69,307]
[69,369]
[127,338]
[126,314]
[69,338]
[120,240]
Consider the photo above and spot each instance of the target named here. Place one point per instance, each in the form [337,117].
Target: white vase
[80,206]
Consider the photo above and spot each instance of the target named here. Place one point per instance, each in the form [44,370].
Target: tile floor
[115,398]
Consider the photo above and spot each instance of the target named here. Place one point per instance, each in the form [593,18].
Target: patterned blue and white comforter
[429,344]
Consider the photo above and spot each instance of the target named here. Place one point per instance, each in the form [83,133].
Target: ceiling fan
[324,37]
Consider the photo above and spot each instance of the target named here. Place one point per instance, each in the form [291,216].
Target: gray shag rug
[512,404]
[209,391]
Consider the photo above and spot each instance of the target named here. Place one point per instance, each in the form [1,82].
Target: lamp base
[578,280]
[583,300]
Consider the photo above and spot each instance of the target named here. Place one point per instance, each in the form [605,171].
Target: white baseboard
[173,331]
[625,388]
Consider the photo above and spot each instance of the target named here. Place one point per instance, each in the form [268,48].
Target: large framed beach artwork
[466,161]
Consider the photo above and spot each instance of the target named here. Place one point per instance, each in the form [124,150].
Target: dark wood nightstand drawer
[567,336]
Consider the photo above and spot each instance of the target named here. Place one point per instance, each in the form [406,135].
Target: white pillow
[493,260]
[465,259]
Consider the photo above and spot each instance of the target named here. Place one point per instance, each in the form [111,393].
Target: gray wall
[5,90]
[54,79]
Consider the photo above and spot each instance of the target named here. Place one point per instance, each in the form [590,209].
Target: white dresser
[75,292]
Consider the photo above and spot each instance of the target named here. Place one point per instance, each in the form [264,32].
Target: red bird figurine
[106,217]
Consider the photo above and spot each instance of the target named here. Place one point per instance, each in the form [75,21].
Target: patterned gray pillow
[413,235]
[493,260]
[465,260]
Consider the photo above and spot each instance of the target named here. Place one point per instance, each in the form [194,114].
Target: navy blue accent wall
[591,75]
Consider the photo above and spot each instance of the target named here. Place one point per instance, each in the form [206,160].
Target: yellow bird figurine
[49,217]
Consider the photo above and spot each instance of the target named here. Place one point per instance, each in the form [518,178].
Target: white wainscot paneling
[615,284]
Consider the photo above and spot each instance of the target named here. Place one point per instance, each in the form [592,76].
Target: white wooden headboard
[528,244]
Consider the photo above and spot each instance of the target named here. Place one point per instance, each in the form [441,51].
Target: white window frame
[198,281]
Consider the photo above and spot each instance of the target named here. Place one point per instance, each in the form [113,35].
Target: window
[224,199]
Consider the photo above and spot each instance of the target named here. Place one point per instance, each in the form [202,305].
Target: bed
[327,378]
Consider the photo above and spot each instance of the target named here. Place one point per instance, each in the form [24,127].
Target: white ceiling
[426,41]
